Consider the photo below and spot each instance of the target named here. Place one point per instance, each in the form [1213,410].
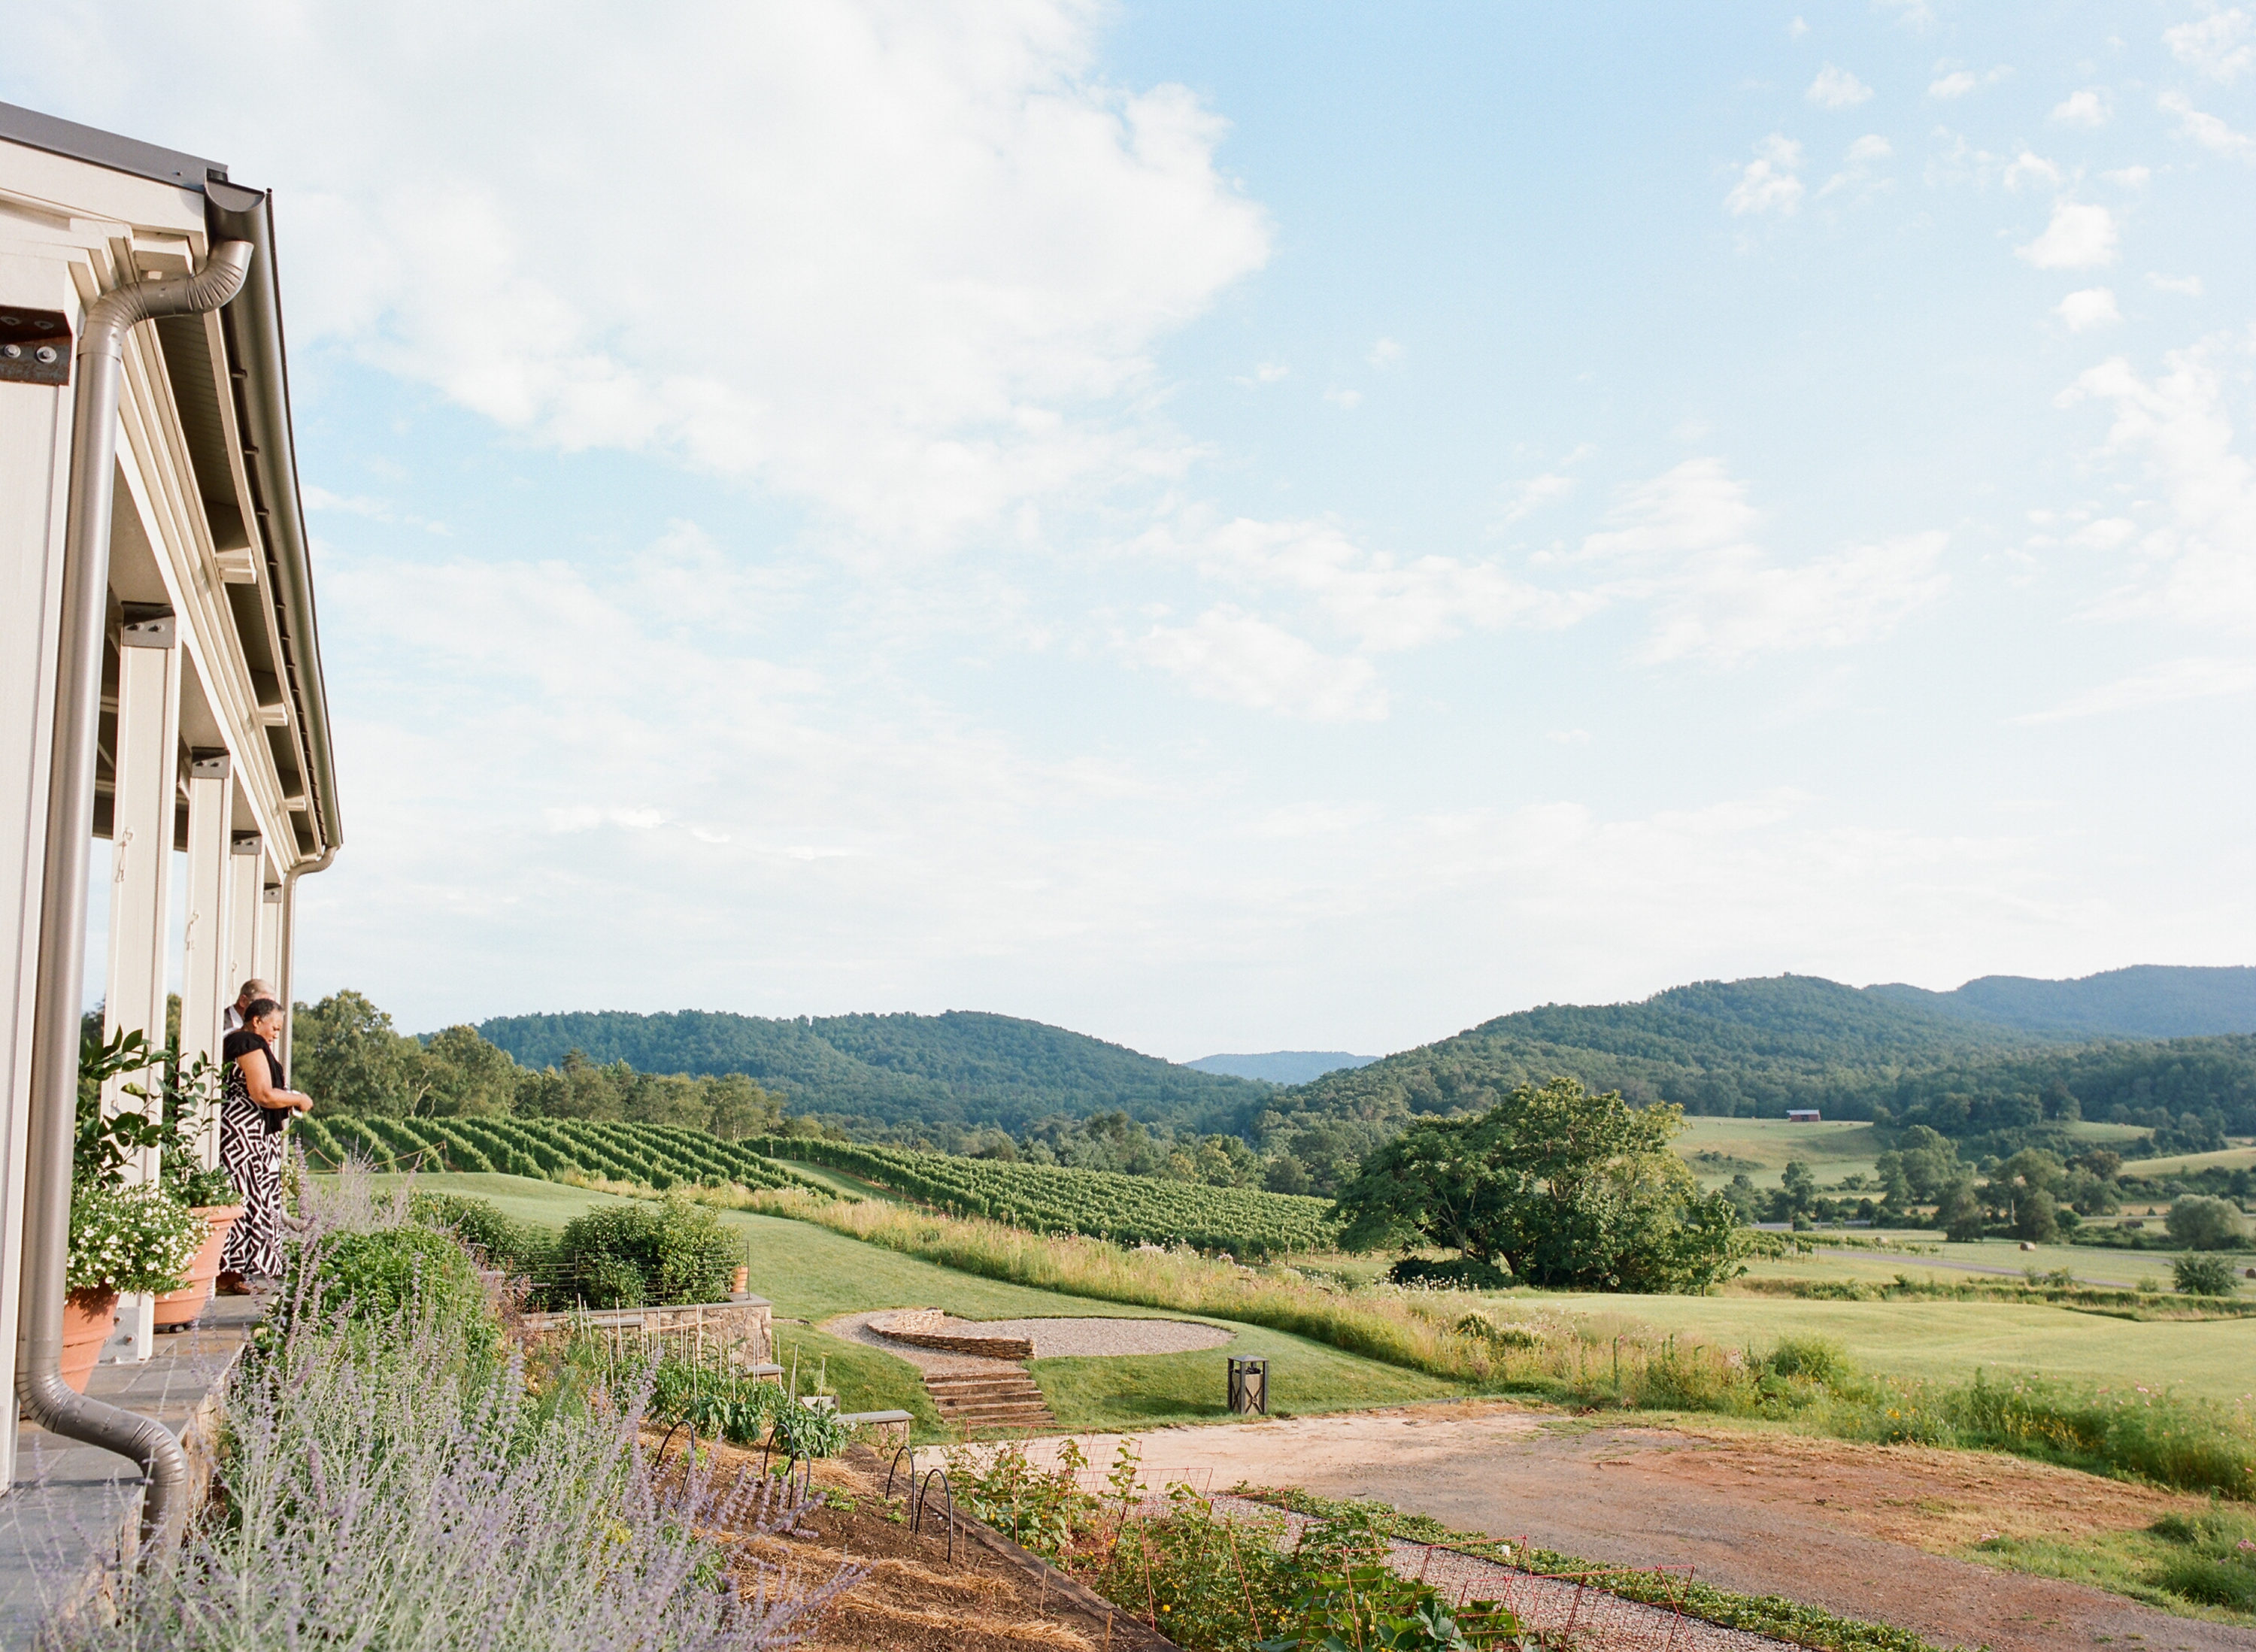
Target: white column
[242,904]
[205,988]
[35,427]
[270,928]
[141,857]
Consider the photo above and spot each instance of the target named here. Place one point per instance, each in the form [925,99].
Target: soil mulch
[990,1596]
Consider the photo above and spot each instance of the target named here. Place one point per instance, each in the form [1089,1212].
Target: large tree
[1569,1189]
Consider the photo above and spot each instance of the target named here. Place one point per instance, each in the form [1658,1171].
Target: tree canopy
[1569,1189]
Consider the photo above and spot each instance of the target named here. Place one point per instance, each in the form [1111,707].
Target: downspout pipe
[289,967]
[62,906]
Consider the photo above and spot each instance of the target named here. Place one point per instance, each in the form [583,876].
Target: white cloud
[2130,177]
[2093,307]
[1958,83]
[1836,89]
[1383,602]
[2089,108]
[1241,659]
[2032,169]
[2192,560]
[1684,544]
[2209,130]
[903,264]
[2184,286]
[1265,373]
[1346,399]
[1385,353]
[2219,45]
[1524,498]
[2079,237]
[1768,182]
[2168,684]
[1863,156]
[1796,29]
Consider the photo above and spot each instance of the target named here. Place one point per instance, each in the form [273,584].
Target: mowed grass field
[1719,1148]
[812,1274]
[2213,1358]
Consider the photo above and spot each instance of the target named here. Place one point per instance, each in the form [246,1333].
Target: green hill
[2149,1000]
[1755,1048]
[961,1067]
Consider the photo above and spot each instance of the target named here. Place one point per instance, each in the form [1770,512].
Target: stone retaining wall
[930,1328]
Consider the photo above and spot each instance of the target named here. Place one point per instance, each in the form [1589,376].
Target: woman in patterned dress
[252,1113]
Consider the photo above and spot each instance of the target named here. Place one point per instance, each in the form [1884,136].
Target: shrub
[2202,1224]
[645,1255]
[380,1278]
[505,1243]
[1813,1359]
[2203,1275]
[1464,1272]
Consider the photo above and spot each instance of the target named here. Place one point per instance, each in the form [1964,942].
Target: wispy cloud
[2089,109]
[1241,659]
[2209,130]
[2167,684]
[1768,183]
[2093,307]
[2221,45]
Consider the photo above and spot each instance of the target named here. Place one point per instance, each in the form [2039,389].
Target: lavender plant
[381,1493]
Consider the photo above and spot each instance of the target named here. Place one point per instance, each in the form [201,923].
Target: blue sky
[1231,528]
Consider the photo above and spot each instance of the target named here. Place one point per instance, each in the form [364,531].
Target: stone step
[989,1399]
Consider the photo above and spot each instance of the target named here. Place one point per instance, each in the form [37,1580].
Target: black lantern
[1249,1386]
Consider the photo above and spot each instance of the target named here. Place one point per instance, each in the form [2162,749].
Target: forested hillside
[1755,1048]
[962,1070]
[2150,1000]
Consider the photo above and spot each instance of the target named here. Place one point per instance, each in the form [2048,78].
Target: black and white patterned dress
[251,1147]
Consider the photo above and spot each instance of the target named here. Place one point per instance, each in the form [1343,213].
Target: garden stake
[1150,1599]
[1252,1617]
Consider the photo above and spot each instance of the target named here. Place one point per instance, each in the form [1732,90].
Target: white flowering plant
[128,1239]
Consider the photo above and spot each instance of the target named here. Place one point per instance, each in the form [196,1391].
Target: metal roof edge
[68,138]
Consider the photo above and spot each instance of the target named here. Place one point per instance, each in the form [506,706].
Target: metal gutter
[260,375]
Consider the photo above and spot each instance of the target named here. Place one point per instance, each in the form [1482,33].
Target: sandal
[231,1284]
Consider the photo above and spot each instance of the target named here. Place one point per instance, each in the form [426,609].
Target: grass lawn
[811,1274]
[2085,1261]
[852,1187]
[1138,1390]
[2215,1358]
[1717,1149]
[2186,1163]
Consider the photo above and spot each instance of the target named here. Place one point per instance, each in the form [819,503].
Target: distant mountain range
[1281,1066]
[2148,1000]
[1753,1046]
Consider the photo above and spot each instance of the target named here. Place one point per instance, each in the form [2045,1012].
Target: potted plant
[139,1239]
[110,1143]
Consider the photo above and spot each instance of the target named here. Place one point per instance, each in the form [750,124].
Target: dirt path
[1855,1529]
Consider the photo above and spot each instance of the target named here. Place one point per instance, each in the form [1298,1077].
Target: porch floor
[73,1515]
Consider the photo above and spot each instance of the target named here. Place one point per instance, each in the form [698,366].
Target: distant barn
[1802,1116]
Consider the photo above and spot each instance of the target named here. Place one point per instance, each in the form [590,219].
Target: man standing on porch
[253,990]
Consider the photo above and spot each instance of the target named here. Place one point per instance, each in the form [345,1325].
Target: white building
[210,752]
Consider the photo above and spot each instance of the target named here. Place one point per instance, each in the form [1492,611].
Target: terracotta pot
[179,1308]
[89,1316]
[742,1284]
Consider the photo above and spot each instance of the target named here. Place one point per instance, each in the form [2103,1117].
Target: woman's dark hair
[257,1007]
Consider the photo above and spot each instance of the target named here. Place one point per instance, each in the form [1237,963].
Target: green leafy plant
[2203,1275]
[801,1431]
[128,1239]
[1568,1189]
[2212,1560]
[644,1255]
[374,1278]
